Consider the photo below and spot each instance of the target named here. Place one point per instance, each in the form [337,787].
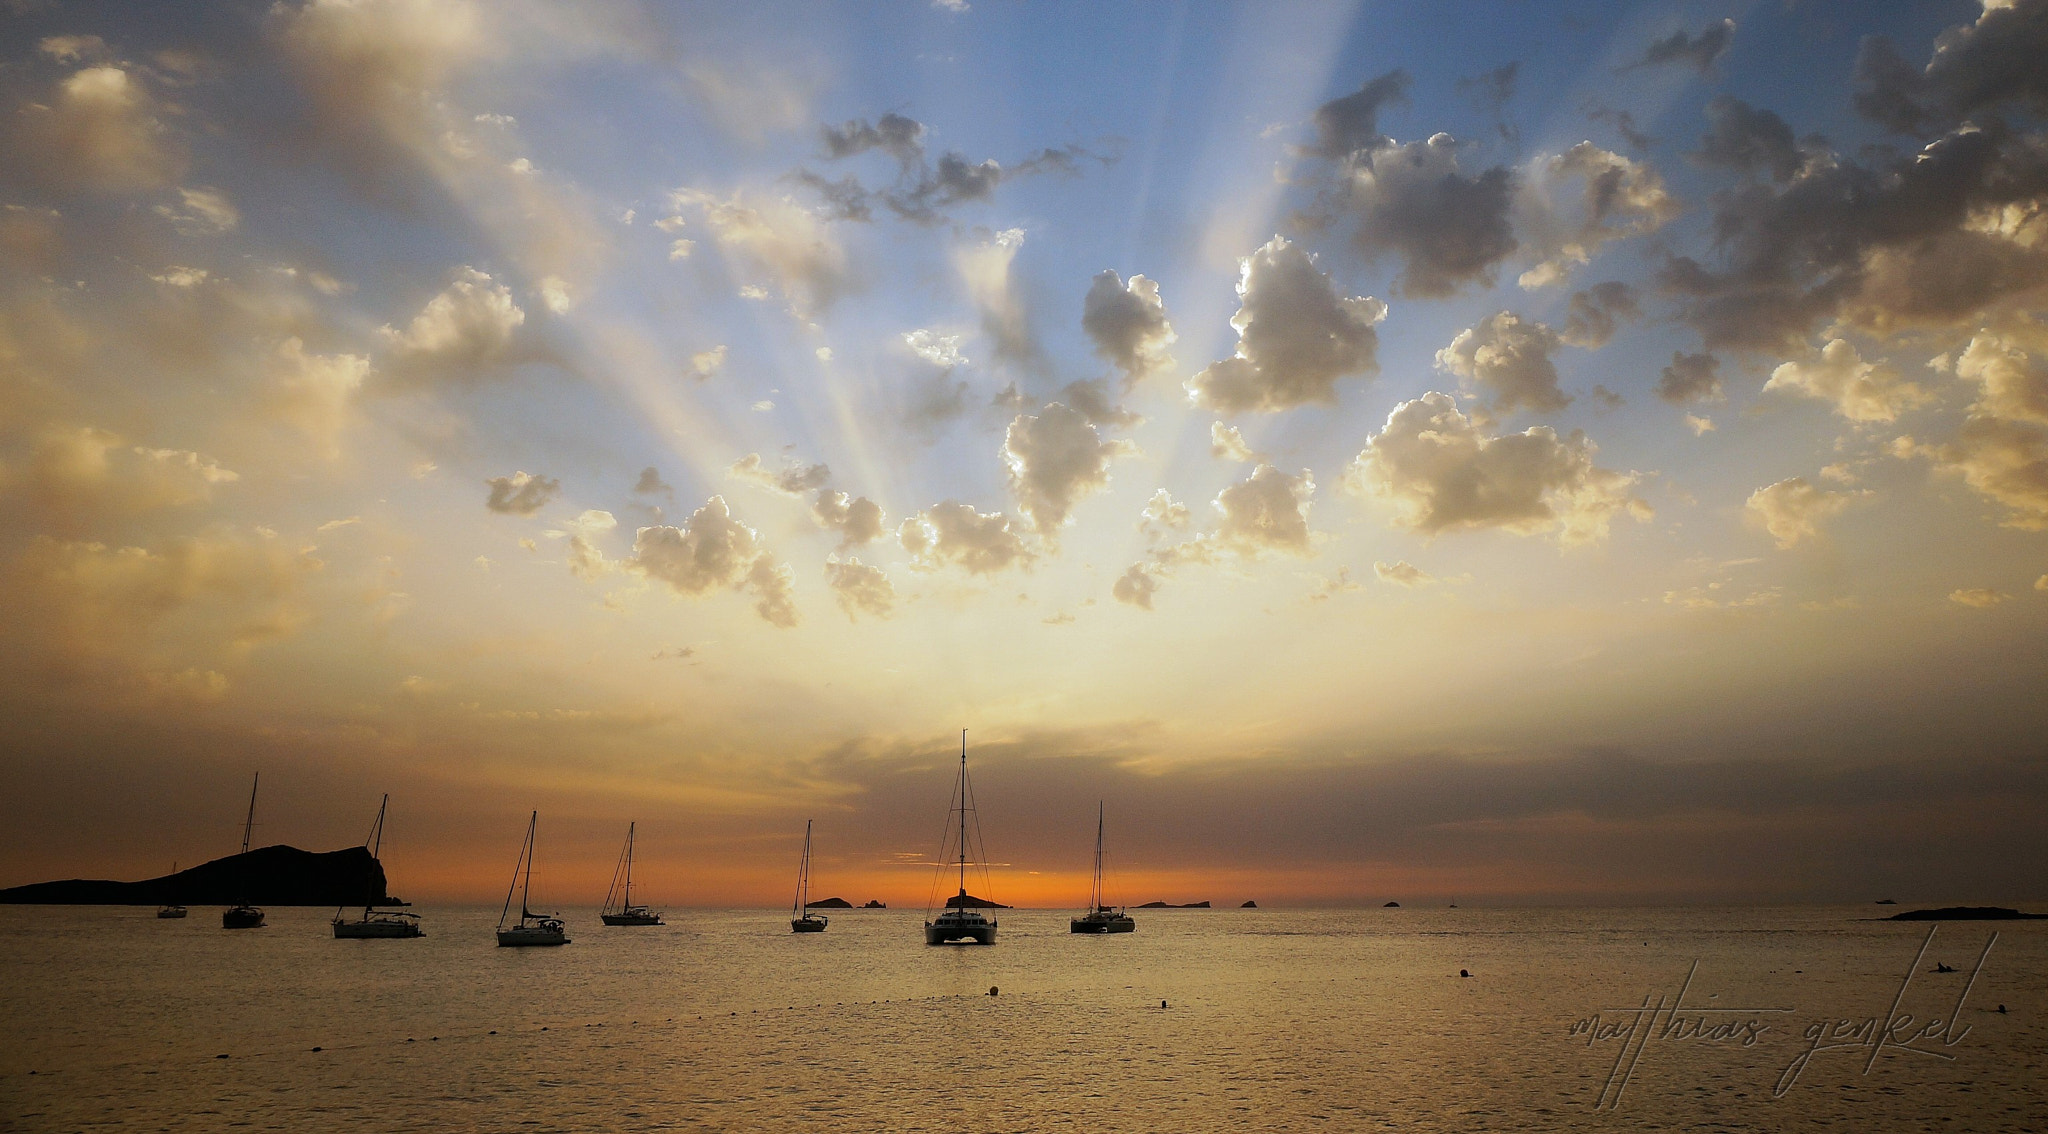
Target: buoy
[316,1049]
[220,1056]
[2001,1011]
[1162,1004]
[991,990]
[1463,973]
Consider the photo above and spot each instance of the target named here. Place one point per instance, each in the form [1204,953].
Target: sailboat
[171,909]
[961,921]
[376,922]
[625,912]
[1101,917]
[802,920]
[531,928]
[243,915]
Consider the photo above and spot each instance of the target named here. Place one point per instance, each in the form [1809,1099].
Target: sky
[1528,453]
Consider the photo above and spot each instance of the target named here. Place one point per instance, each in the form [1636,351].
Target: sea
[1452,1019]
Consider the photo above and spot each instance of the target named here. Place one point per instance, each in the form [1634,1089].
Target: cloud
[1296,337]
[651,484]
[460,333]
[858,520]
[900,137]
[1691,378]
[980,543]
[1490,92]
[2002,460]
[1347,125]
[1090,397]
[1266,511]
[1055,458]
[1860,391]
[984,267]
[1227,444]
[586,560]
[793,480]
[1981,598]
[521,494]
[779,238]
[2011,383]
[1992,63]
[1700,426]
[706,363]
[1619,198]
[97,132]
[76,478]
[1696,51]
[314,393]
[1595,313]
[1135,586]
[713,551]
[1510,358]
[1746,139]
[201,212]
[860,588]
[1412,201]
[1163,512]
[1403,574]
[1792,509]
[1128,324]
[937,349]
[1443,473]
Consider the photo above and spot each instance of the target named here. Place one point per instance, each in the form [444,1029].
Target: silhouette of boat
[242,915]
[171,909]
[625,912]
[1101,917]
[376,922]
[801,919]
[532,928]
[962,920]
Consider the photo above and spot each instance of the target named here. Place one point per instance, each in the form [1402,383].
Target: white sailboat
[625,912]
[802,920]
[1101,916]
[375,922]
[962,919]
[242,915]
[531,928]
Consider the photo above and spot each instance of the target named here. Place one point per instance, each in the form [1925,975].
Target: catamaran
[625,912]
[532,928]
[171,909]
[802,920]
[376,922]
[242,915]
[962,919]
[1101,916]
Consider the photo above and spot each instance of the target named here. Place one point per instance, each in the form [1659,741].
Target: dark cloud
[1448,229]
[1993,63]
[521,494]
[650,483]
[1690,378]
[1744,138]
[1624,124]
[1696,51]
[900,137]
[1491,92]
[1347,125]
[1128,323]
[1597,312]
[923,190]
[1297,334]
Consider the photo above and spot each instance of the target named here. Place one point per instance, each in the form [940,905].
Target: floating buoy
[991,990]
[2001,1011]
[1463,973]
[316,1049]
[1162,1004]
[223,1056]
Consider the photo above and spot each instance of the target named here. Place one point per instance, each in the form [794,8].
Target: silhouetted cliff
[271,876]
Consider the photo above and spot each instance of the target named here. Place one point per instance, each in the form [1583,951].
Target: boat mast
[377,842]
[963,816]
[803,876]
[1095,894]
[532,828]
[249,824]
[629,863]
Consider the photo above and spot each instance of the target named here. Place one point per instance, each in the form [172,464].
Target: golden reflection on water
[1274,1020]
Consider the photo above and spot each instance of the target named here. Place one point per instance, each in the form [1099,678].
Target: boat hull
[984,934]
[807,925]
[1099,925]
[379,929]
[241,917]
[521,937]
[171,911]
[632,919]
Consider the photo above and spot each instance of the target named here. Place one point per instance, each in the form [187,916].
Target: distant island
[271,876]
[875,904]
[1391,906]
[970,902]
[1249,905]
[829,904]
[1171,906]
[1967,913]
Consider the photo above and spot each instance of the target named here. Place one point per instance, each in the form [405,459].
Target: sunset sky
[1572,452]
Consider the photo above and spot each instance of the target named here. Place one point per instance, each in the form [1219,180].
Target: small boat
[802,920]
[376,922]
[625,912]
[962,919]
[171,909]
[1101,917]
[242,915]
[531,928]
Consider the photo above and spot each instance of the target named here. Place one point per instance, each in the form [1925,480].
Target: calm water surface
[1275,1020]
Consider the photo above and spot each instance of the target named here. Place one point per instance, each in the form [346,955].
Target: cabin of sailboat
[1101,916]
[242,915]
[801,919]
[618,901]
[962,919]
[375,923]
[531,928]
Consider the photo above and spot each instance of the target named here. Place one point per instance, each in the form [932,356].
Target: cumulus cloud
[99,132]
[1412,201]
[984,267]
[713,551]
[1442,472]
[1402,574]
[75,477]
[706,363]
[314,393]
[980,543]
[1266,511]
[2011,372]
[857,519]
[1747,139]
[1792,509]
[1597,312]
[1976,67]
[461,332]
[1859,390]
[1136,586]
[1618,198]
[860,588]
[937,349]
[1682,47]
[1690,378]
[1128,324]
[1296,336]
[1227,444]
[785,242]
[1982,598]
[586,560]
[522,493]
[1509,358]
[1163,512]
[1091,398]
[651,484]
[1054,458]
[2001,448]
[900,137]
[793,480]
[1347,125]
